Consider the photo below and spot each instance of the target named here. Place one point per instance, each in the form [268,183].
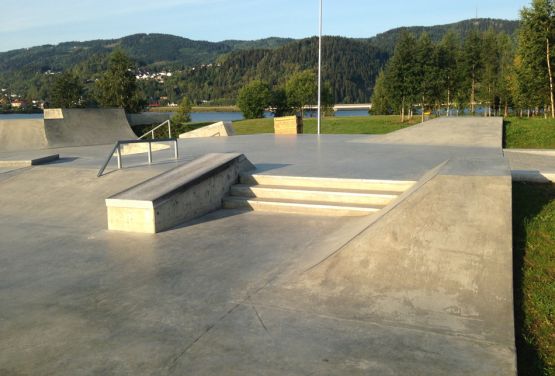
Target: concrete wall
[147,118]
[22,135]
[220,129]
[66,127]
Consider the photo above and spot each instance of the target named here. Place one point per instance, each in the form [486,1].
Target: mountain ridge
[350,64]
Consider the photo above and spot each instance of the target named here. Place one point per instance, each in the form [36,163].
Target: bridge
[343,107]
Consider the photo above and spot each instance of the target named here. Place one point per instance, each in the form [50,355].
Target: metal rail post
[150,153]
[119,156]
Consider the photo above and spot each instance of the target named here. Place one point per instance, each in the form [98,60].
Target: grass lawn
[198,109]
[162,132]
[331,125]
[533,133]
[534,272]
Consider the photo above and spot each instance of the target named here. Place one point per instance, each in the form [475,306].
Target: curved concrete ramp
[64,128]
[80,127]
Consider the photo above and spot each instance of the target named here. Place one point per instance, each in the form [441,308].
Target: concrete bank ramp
[219,129]
[25,134]
[65,128]
[434,274]
[428,283]
[452,131]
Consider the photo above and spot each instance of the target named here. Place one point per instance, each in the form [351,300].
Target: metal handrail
[117,150]
[151,132]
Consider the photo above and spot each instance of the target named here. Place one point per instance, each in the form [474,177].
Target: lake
[205,117]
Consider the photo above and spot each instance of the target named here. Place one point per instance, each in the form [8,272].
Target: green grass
[534,271]
[331,125]
[197,109]
[533,133]
[162,132]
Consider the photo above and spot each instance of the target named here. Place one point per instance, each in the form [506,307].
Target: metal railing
[151,132]
[117,150]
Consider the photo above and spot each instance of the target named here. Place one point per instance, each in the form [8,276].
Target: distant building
[19,103]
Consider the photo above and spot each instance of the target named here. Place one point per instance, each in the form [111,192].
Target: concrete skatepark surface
[423,288]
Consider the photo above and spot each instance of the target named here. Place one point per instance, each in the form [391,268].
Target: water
[204,117]
[20,116]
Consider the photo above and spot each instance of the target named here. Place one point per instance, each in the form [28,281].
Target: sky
[32,22]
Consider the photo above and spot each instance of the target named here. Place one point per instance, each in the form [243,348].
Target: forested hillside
[207,71]
[388,40]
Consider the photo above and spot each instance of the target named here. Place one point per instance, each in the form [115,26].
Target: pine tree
[471,67]
[118,85]
[66,91]
[536,42]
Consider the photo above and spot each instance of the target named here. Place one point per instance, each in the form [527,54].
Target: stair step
[296,207]
[333,183]
[342,196]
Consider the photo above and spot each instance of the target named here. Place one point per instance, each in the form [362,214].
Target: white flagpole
[320,70]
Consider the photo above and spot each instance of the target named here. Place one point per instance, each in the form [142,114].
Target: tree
[491,70]
[278,102]
[254,98]
[380,99]
[118,86]
[471,67]
[66,91]
[507,74]
[536,40]
[427,77]
[448,51]
[401,77]
[301,89]
[183,113]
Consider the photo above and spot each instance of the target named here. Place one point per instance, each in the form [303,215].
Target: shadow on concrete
[528,201]
[63,160]
[263,167]
[213,216]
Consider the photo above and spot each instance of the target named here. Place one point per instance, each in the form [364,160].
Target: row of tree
[117,87]
[483,69]
[300,90]
[451,74]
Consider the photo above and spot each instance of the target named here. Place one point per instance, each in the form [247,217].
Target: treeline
[350,67]
[452,74]
[220,69]
[484,70]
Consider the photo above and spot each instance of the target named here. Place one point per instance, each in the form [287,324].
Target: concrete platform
[529,165]
[424,288]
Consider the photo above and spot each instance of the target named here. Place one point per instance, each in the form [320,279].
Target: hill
[387,40]
[221,68]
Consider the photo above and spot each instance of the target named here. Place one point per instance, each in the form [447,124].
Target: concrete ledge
[181,194]
[540,152]
[29,162]
[533,176]
[220,129]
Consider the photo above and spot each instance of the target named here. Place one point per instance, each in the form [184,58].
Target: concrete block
[288,125]
[220,129]
[181,194]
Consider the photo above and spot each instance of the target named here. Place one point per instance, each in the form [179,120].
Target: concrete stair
[313,196]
